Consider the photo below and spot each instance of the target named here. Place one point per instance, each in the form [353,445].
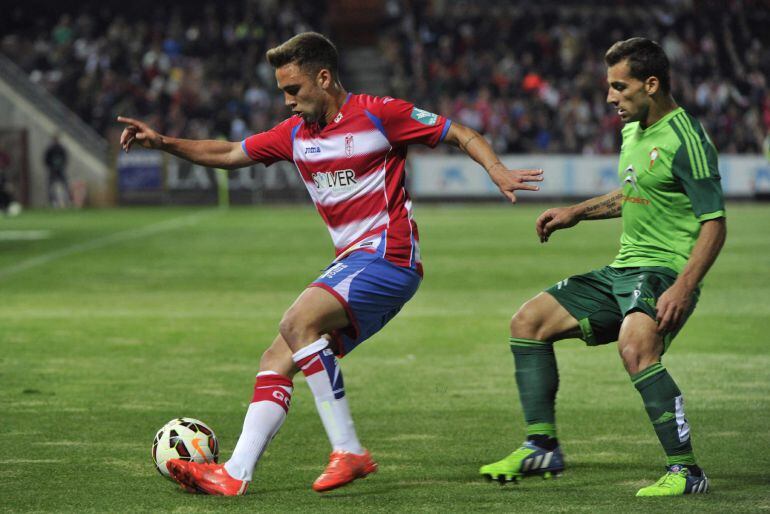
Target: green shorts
[600,299]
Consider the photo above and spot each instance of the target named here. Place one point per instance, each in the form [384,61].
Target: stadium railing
[62,116]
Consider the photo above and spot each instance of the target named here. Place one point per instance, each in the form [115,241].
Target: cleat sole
[515,478]
[186,488]
[503,479]
[551,475]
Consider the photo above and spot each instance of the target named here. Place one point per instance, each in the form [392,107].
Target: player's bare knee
[639,345]
[290,328]
[636,361]
[526,324]
[297,332]
[630,358]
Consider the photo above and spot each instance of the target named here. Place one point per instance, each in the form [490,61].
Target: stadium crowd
[197,72]
[532,79]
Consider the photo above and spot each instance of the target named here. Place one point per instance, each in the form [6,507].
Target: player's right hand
[138,132]
[553,220]
[509,181]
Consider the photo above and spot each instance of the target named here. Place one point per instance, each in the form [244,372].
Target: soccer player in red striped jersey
[350,150]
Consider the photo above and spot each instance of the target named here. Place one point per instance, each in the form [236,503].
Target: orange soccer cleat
[343,468]
[195,477]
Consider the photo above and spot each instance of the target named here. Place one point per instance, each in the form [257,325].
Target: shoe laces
[335,461]
[520,453]
[668,480]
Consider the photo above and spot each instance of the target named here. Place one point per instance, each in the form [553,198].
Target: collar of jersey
[342,107]
[661,122]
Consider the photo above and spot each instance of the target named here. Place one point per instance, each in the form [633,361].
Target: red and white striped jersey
[354,170]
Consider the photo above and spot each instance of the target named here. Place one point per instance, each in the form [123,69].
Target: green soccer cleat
[677,481]
[528,460]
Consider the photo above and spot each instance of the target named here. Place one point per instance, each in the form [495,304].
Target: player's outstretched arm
[478,149]
[206,152]
[597,208]
[676,300]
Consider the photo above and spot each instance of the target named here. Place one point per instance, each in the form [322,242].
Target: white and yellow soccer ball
[184,438]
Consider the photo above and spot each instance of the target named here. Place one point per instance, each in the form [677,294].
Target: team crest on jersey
[424,117]
[653,156]
[349,145]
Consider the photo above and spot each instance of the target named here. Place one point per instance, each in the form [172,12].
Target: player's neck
[658,109]
[337,99]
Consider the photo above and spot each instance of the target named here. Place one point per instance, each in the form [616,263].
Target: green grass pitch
[113,322]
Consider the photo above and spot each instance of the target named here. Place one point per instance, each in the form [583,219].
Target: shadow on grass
[378,490]
[739,481]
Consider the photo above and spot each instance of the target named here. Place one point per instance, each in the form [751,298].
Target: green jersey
[670,185]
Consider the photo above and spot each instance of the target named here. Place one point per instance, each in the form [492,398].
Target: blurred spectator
[9,205]
[58,186]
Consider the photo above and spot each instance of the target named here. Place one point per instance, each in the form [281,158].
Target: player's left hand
[672,306]
[514,180]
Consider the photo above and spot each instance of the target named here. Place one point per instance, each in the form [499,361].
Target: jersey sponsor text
[339,180]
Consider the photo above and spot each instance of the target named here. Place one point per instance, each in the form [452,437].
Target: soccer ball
[184,438]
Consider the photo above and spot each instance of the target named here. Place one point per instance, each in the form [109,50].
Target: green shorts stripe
[588,332]
[648,372]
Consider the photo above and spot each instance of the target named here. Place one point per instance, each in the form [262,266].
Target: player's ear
[324,78]
[652,85]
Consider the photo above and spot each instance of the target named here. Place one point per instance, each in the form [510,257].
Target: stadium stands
[197,72]
[530,78]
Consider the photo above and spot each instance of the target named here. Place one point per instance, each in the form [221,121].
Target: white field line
[101,242]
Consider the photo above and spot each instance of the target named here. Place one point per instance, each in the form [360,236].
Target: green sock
[665,406]
[538,380]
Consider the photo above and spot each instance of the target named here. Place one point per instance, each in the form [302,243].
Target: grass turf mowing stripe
[101,242]
[173,325]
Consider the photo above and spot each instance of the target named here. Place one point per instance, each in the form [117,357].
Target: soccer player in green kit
[673,229]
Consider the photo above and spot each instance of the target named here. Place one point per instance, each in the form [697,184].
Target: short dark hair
[310,51]
[646,59]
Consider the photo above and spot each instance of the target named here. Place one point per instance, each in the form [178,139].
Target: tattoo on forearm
[609,207]
[464,144]
[494,165]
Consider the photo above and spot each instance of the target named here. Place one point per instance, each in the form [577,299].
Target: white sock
[266,414]
[324,376]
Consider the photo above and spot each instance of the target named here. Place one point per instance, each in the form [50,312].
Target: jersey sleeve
[404,124]
[272,145]
[695,166]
